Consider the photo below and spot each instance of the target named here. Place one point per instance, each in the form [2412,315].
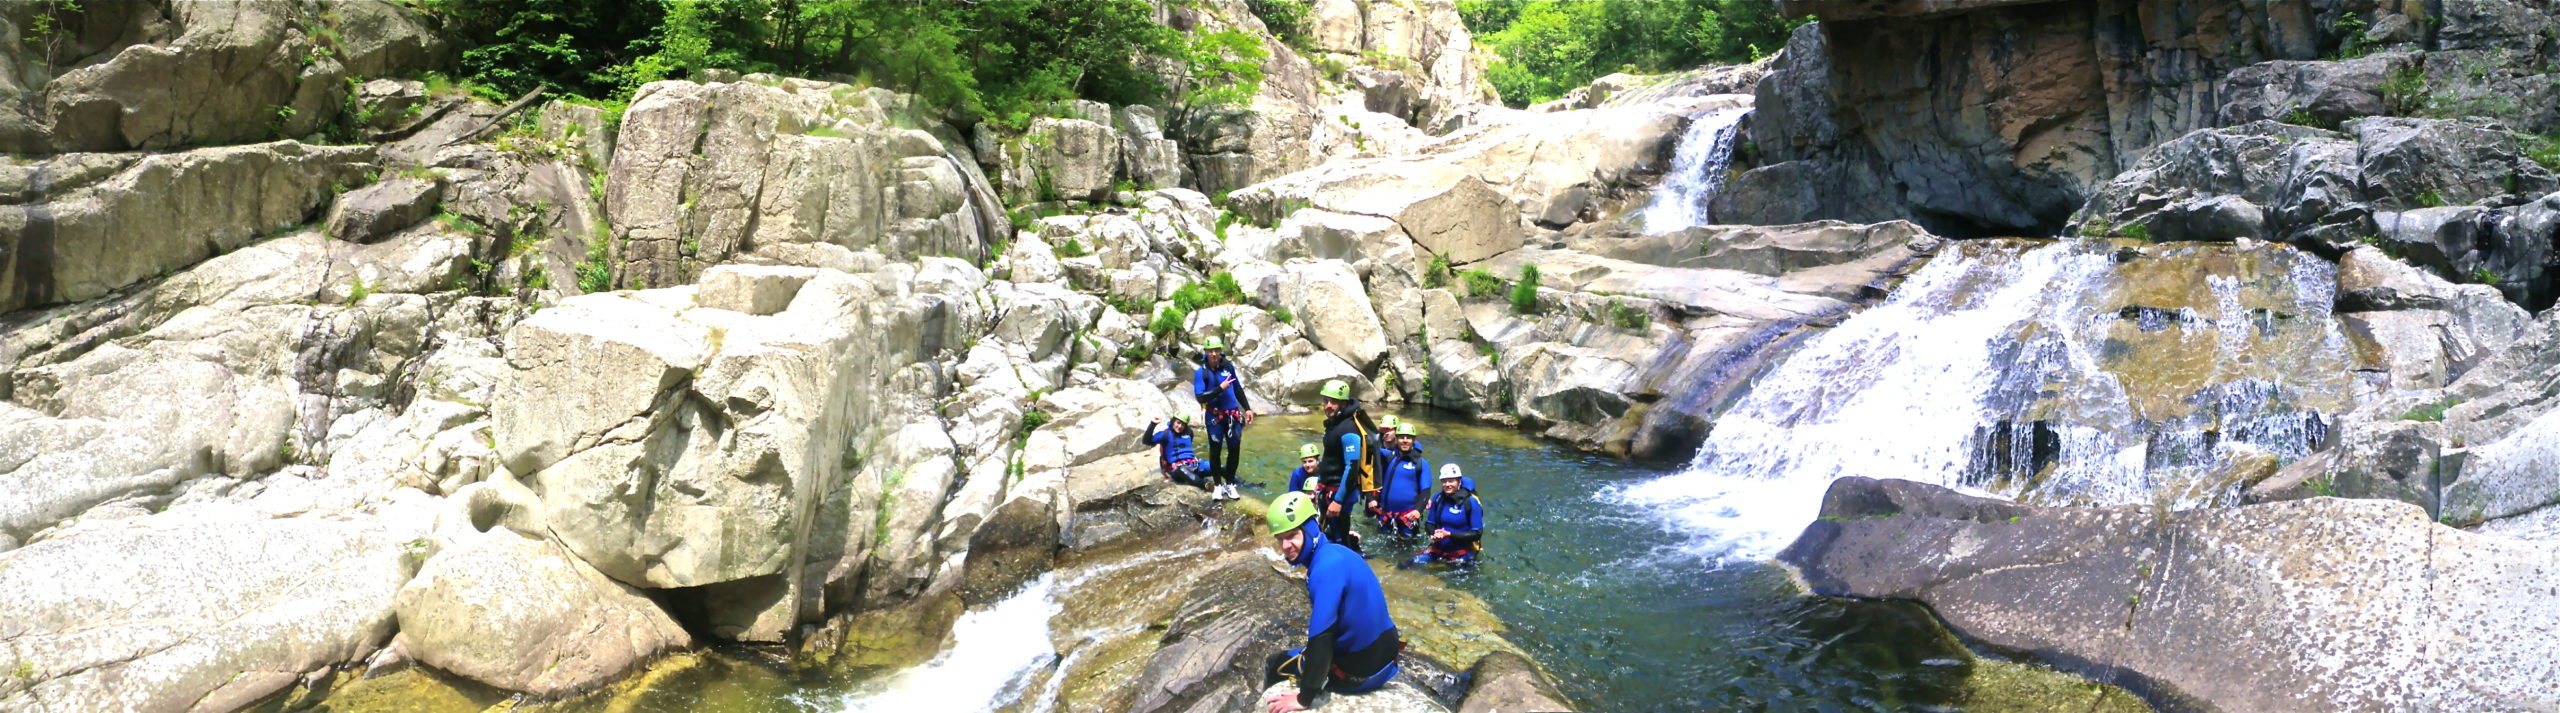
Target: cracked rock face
[2323,604]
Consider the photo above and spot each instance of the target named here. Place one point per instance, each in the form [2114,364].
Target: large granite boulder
[2325,92]
[90,226]
[808,172]
[2255,608]
[125,76]
[2412,163]
[737,426]
[518,612]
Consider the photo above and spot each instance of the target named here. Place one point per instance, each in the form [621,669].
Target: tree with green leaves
[1549,47]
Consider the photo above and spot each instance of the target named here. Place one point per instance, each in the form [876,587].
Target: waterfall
[995,654]
[1697,170]
[2060,373]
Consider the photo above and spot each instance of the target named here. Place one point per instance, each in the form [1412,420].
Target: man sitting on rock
[1456,520]
[1304,478]
[1405,487]
[1351,642]
[1174,455]
[1224,413]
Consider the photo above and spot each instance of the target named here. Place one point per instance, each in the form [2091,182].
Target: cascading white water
[2065,373]
[994,656]
[1697,170]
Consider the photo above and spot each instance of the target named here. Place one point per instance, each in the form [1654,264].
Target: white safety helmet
[1449,471]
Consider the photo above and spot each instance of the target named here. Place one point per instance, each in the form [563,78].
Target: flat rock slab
[172,613]
[2311,605]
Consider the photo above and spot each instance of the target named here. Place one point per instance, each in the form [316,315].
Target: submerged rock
[2253,608]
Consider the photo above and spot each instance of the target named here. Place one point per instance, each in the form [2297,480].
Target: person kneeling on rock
[1456,520]
[1352,644]
[1174,455]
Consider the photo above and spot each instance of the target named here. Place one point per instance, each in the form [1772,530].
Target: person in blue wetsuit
[1174,455]
[1456,521]
[1404,487]
[1224,413]
[1352,644]
[1304,478]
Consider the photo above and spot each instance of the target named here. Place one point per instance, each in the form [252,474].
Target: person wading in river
[1456,520]
[1173,452]
[1405,487]
[1352,644]
[1348,468]
[1224,413]
[1304,478]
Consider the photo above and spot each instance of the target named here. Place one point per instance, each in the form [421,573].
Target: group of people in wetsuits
[1360,465]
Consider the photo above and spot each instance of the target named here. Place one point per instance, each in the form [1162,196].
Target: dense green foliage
[1000,59]
[1549,47]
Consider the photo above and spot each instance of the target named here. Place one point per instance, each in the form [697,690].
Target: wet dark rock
[2326,92]
[1013,545]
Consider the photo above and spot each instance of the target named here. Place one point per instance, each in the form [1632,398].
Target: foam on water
[1995,370]
[995,654]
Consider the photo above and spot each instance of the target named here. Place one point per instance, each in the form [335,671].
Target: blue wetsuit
[1403,487]
[1298,478]
[1351,641]
[1174,455]
[1222,407]
[1463,517]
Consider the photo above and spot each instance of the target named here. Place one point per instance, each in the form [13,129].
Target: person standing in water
[1456,521]
[1347,468]
[1352,645]
[1404,487]
[1225,411]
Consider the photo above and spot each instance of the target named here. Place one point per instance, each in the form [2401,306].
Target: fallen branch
[519,105]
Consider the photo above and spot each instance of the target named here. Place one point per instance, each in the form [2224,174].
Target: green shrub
[2137,230]
[2544,149]
[2485,277]
[595,273]
[1167,322]
[2431,199]
[1629,318]
[1282,314]
[1437,275]
[1480,283]
[2431,412]
[1524,294]
[2350,30]
[1072,248]
[357,290]
[2404,91]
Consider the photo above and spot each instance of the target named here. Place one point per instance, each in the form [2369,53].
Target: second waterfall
[1697,170]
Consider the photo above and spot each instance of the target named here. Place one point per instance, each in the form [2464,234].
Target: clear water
[1613,600]
[1697,170]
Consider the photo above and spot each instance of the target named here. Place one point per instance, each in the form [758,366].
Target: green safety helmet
[1292,509]
[1389,421]
[1311,451]
[1213,344]
[1409,429]
[1337,390]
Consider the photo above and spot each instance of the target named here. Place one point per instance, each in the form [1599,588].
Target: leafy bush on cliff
[1549,47]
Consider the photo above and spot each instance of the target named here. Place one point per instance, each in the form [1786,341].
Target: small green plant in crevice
[2351,40]
[1524,294]
[2135,231]
[1437,274]
[1032,420]
[1283,315]
[1489,353]
[1480,283]
[2404,91]
[357,290]
[2543,149]
[2431,199]
[1072,248]
[2430,413]
[1166,322]
[458,223]
[24,671]
[415,551]
[1225,218]
[1629,318]
[595,273]
[2485,277]
[2096,227]
[2323,487]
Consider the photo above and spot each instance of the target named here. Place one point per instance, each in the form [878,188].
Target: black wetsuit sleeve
[1315,667]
